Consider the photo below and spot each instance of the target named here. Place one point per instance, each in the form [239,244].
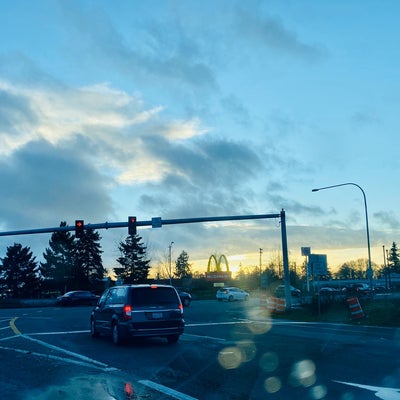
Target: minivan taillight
[127,312]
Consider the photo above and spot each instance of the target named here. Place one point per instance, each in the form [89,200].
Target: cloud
[46,184]
[271,33]
[161,51]
[387,219]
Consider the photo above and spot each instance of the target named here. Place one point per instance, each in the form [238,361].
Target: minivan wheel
[173,338]
[93,330]
[116,336]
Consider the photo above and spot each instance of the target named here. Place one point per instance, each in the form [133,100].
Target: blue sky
[180,109]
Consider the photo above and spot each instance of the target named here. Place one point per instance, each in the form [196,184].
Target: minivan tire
[93,330]
[173,338]
[116,334]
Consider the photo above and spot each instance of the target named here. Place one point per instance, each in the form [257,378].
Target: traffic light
[132,225]
[79,228]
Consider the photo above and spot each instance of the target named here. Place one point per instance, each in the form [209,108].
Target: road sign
[156,222]
[318,264]
[305,251]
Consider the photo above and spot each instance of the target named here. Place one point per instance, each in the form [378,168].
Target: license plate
[156,315]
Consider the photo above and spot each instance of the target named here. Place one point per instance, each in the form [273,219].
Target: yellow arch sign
[217,263]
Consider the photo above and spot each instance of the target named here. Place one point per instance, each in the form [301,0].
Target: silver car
[232,294]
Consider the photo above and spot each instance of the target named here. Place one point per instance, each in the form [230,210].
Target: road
[228,351]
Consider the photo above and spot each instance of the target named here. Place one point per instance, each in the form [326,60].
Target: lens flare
[230,357]
[272,384]
[303,373]
[269,361]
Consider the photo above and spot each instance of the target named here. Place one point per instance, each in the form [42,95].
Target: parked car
[357,289]
[327,290]
[186,297]
[232,294]
[78,298]
[280,291]
[138,311]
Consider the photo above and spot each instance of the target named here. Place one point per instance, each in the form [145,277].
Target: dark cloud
[205,177]
[164,52]
[271,33]
[15,113]
[387,219]
[47,184]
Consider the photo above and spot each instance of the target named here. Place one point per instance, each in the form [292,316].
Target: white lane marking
[220,323]
[66,360]
[70,353]
[166,390]
[384,393]
[188,335]
[56,333]
[6,327]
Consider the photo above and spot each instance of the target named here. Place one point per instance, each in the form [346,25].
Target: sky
[186,109]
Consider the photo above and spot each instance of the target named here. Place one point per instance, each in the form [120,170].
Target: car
[327,290]
[186,298]
[357,289]
[232,294]
[133,311]
[78,298]
[280,291]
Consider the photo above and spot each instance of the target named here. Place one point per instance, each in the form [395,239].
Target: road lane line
[56,333]
[57,358]
[13,327]
[6,327]
[70,353]
[215,339]
[166,390]
[219,323]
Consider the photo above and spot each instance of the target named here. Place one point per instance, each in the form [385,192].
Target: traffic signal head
[79,228]
[132,225]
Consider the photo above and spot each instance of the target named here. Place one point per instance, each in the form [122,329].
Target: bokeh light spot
[303,373]
[318,392]
[272,384]
[230,357]
[269,361]
[248,349]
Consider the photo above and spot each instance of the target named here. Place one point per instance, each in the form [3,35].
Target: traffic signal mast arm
[110,225]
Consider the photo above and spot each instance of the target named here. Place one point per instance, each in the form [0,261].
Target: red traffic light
[79,225]
[132,225]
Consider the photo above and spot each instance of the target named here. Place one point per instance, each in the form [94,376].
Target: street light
[369,271]
[170,263]
[261,250]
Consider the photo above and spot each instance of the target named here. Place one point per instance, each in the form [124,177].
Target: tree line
[76,264]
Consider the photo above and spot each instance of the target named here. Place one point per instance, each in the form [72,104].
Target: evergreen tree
[182,266]
[88,268]
[135,266]
[19,272]
[394,259]
[59,260]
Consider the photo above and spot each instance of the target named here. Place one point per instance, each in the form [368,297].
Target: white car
[231,294]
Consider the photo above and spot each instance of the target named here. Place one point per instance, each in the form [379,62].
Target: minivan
[129,311]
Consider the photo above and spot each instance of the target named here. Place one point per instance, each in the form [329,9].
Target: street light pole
[369,271]
[261,250]
[170,263]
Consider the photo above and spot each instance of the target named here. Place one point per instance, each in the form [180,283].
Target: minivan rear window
[153,296]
